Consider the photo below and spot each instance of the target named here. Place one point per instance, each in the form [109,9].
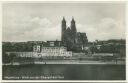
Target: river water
[64,72]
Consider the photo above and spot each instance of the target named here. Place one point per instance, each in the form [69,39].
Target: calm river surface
[66,72]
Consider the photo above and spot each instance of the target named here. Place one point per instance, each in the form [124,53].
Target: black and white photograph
[65,82]
[64,41]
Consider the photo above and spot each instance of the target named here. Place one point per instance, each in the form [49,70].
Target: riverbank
[69,62]
[80,62]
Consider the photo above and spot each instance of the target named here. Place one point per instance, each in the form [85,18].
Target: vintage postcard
[64,41]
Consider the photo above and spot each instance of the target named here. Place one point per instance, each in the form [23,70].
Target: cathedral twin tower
[68,30]
[70,37]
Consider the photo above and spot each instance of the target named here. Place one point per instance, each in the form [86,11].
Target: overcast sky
[42,21]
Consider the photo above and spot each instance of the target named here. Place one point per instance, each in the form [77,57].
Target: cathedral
[73,40]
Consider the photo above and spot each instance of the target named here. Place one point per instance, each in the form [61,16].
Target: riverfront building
[39,51]
[52,51]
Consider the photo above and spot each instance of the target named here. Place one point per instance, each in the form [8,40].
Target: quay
[69,62]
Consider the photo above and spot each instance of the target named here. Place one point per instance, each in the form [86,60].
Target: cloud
[36,28]
[24,21]
[43,34]
[28,28]
[40,22]
[106,28]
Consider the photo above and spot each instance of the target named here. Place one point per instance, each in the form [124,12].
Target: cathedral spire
[63,19]
[73,25]
[72,18]
[63,29]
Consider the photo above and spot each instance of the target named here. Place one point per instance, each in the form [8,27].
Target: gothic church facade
[73,40]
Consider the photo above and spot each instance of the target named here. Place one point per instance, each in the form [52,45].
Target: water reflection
[67,72]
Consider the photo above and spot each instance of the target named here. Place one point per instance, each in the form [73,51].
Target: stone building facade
[52,51]
[72,39]
[40,51]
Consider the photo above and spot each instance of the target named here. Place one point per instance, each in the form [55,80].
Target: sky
[42,21]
